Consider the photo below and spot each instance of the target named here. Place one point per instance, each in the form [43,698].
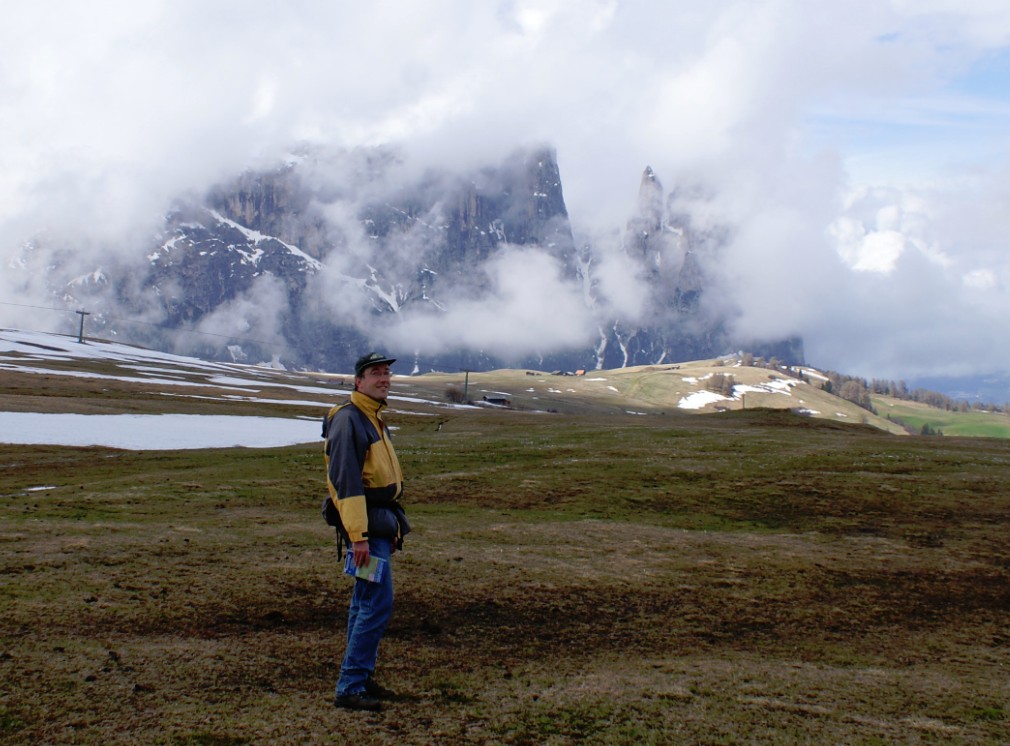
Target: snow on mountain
[257,238]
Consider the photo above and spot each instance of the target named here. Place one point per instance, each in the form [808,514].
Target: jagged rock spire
[650,201]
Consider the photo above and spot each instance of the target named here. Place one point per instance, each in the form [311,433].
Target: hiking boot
[357,701]
[377,690]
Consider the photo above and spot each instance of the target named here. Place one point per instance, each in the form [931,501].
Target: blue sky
[859,148]
[912,138]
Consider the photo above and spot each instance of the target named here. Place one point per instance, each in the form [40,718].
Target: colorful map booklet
[373,571]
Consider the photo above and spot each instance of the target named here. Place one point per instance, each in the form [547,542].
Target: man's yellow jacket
[362,472]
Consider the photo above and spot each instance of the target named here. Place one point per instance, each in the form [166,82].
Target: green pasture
[966,424]
[746,577]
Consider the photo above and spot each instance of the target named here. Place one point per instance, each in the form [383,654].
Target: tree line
[859,390]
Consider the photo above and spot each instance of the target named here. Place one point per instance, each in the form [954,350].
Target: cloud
[254,317]
[620,283]
[923,286]
[527,306]
[781,108]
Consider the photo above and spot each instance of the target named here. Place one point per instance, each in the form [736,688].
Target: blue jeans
[371,607]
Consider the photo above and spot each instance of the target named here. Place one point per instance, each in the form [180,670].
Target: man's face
[374,381]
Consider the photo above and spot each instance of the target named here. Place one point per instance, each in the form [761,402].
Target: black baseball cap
[372,358]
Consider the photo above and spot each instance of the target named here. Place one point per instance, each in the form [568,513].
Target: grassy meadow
[966,424]
[749,577]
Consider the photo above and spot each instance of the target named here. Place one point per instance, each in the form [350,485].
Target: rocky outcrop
[419,247]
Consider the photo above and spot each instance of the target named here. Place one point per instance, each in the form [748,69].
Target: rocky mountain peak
[322,249]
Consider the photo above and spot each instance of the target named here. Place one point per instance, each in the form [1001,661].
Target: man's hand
[360,549]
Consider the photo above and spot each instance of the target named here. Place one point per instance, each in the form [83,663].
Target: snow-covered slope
[116,365]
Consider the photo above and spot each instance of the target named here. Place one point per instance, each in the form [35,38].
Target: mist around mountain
[327,254]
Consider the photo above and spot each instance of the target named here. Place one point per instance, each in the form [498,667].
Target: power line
[165,327]
[41,308]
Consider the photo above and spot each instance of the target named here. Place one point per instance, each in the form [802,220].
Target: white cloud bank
[860,147]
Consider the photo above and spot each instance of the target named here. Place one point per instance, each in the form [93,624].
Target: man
[365,485]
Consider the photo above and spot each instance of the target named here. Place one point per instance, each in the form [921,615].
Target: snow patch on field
[29,352]
[700,399]
[155,432]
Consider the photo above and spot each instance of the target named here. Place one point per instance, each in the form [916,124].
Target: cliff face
[676,324]
[464,220]
[308,261]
